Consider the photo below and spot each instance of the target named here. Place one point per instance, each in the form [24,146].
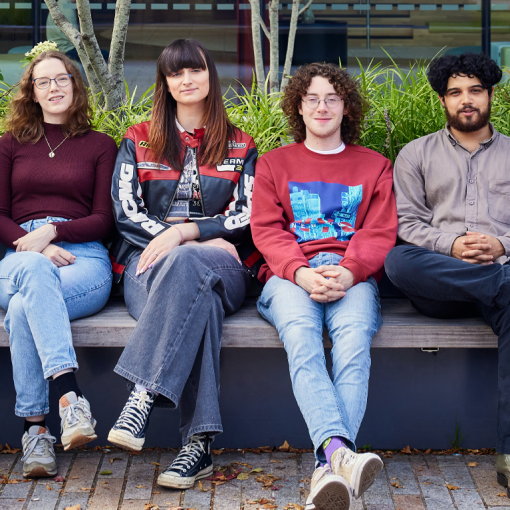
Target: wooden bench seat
[403,327]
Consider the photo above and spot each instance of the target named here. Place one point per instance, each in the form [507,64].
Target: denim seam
[151,386]
[97,287]
[31,413]
[179,336]
[58,369]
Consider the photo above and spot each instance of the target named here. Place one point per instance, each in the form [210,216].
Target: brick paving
[115,480]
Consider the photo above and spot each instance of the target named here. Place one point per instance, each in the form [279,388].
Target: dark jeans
[444,287]
[175,347]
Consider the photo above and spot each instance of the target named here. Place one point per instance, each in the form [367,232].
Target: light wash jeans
[40,299]
[330,408]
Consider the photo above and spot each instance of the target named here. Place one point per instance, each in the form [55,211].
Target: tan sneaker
[38,454]
[328,491]
[359,469]
[77,424]
[503,470]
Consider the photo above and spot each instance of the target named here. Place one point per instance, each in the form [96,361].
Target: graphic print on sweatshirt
[324,209]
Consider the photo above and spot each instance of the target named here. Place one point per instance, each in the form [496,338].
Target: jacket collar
[190,139]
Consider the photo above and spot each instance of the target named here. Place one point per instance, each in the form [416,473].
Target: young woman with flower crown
[55,178]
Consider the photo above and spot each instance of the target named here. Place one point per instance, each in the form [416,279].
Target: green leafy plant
[258,113]
[456,443]
[38,49]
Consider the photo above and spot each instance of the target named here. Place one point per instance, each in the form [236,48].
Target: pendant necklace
[52,151]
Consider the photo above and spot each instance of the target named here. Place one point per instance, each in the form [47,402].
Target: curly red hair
[347,88]
[25,117]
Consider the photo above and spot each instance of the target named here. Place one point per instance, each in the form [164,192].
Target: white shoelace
[188,454]
[344,457]
[71,416]
[37,445]
[135,412]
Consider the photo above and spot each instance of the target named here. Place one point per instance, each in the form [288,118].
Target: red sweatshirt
[305,203]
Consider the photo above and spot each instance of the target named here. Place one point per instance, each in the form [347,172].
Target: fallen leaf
[269,505]
[86,488]
[501,494]
[284,447]
[407,450]
[59,479]
[20,499]
[258,470]
[49,488]
[75,478]
[452,487]
[217,452]
[74,507]
[156,463]
[472,464]
[427,451]
[13,481]
[243,476]
[106,472]
[150,506]
[141,487]
[276,461]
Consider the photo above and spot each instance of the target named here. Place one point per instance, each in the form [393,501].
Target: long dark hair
[25,117]
[164,140]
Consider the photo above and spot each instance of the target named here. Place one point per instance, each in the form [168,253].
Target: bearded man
[453,202]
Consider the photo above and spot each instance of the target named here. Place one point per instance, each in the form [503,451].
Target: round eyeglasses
[62,80]
[313,102]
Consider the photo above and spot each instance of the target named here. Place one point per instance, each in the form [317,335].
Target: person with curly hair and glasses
[453,201]
[55,178]
[324,218]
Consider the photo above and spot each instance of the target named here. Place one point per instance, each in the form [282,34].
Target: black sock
[29,424]
[66,383]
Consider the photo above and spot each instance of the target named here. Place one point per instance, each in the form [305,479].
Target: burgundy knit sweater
[75,184]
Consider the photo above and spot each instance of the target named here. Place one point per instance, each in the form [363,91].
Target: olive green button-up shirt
[443,190]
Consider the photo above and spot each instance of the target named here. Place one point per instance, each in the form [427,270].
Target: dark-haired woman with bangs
[55,179]
[182,201]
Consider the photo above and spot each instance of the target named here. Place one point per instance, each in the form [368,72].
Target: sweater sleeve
[278,247]
[100,222]
[377,235]
[9,230]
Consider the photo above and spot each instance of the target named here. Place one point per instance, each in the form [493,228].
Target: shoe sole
[502,480]
[125,441]
[78,440]
[178,482]
[39,472]
[335,495]
[365,474]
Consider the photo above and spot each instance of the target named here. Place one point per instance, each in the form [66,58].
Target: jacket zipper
[199,182]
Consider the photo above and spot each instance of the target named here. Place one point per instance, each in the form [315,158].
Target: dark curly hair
[467,64]
[347,88]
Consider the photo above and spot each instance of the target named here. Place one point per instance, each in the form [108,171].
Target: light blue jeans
[330,408]
[40,299]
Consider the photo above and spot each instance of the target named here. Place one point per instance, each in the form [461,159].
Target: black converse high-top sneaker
[129,430]
[193,463]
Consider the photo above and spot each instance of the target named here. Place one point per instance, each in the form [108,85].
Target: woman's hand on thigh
[58,255]
[224,245]
[157,249]
[37,240]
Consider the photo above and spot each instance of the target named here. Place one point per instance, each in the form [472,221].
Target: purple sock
[331,445]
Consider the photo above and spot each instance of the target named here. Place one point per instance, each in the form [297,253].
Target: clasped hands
[477,248]
[39,241]
[325,283]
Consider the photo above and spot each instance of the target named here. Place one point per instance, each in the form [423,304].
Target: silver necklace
[52,151]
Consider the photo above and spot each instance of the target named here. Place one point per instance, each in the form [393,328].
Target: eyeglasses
[330,102]
[62,80]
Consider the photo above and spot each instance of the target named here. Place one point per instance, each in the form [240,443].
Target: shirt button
[471,202]
[471,181]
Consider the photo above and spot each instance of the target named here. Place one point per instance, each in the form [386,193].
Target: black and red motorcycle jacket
[143,192]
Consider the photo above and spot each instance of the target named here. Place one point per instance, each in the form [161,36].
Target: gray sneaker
[77,425]
[38,455]
[328,491]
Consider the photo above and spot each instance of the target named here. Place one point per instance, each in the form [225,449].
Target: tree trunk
[75,37]
[256,23]
[292,39]
[274,66]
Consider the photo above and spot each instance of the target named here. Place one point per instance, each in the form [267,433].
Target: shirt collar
[197,133]
[486,143]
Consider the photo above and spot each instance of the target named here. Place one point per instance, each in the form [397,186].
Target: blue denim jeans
[40,299]
[330,408]
[175,347]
